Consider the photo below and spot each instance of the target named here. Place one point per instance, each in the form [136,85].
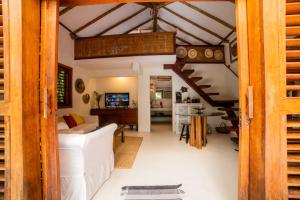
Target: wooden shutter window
[64,86]
[293,93]
[293,48]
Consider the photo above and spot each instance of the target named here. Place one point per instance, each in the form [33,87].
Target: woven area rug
[126,153]
[157,192]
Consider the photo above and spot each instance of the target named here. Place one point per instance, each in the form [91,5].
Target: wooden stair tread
[195,79]
[204,86]
[293,8]
[293,20]
[233,128]
[188,71]
[293,170]
[229,109]
[293,147]
[235,139]
[230,118]
[213,93]
[293,158]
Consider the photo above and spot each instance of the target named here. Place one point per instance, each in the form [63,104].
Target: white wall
[66,57]
[155,69]
[144,67]
[117,84]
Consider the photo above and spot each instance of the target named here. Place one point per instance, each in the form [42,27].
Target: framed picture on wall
[233,51]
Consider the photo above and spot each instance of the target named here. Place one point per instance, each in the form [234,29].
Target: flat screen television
[116,100]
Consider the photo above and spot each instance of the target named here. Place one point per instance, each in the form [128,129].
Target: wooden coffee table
[118,131]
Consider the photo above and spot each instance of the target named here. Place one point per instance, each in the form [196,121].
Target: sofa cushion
[85,128]
[62,126]
[79,120]
[70,121]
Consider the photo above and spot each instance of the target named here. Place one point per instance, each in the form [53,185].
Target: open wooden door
[271,140]
[48,104]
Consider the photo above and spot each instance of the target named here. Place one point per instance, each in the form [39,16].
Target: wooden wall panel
[125,45]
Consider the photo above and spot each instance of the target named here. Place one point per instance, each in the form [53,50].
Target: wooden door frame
[255,43]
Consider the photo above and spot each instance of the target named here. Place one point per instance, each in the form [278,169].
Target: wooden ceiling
[195,22]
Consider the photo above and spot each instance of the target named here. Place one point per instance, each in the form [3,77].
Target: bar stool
[187,133]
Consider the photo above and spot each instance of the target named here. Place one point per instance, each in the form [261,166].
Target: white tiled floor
[207,174]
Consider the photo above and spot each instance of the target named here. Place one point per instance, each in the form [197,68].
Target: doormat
[155,192]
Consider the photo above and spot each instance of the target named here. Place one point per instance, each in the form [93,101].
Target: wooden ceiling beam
[65,10]
[72,34]
[179,38]
[183,40]
[90,2]
[227,36]
[203,12]
[193,23]
[155,14]
[99,17]
[182,30]
[121,22]
[139,25]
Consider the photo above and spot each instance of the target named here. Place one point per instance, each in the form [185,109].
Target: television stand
[120,116]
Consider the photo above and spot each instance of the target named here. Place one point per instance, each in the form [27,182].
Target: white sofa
[86,162]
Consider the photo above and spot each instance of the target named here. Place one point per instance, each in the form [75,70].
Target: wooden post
[204,129]
[193,130]
[198,133]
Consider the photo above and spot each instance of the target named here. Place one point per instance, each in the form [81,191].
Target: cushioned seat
[86,162]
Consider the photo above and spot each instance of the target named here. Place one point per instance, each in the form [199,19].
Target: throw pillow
[79,120]
[70,121]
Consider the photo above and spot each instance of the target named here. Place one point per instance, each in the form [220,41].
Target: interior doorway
[240,39]
[161,102]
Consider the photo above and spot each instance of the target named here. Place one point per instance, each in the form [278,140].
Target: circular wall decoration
[86,98]
[192,53]
[218,54]
[79,85]
[181,52]
[208,53]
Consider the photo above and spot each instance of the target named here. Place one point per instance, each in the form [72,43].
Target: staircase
[222,105]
